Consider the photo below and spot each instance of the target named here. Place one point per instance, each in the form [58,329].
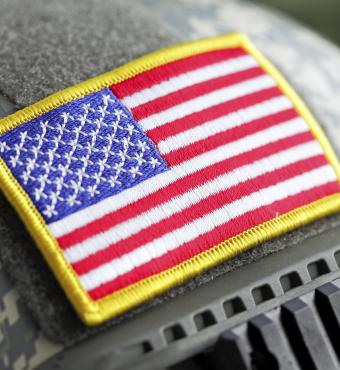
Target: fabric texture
[235,159]
[47,46]
[80,153]
[210,115]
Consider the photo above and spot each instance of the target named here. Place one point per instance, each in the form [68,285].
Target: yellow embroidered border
[94,313]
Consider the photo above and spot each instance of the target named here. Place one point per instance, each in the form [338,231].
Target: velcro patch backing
[139,179]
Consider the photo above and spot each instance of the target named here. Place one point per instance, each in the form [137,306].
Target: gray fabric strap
[45,47]
[49,45]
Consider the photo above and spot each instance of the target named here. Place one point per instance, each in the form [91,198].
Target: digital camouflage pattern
[22,344]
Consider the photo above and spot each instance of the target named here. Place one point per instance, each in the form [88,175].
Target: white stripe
[189,232]
[205,101]
[191,197]
[224,123]
[111,204]
[190,78]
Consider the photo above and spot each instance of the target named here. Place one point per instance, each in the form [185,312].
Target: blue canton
[79,154]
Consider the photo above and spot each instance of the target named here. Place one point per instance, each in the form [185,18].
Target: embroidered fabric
[79,154]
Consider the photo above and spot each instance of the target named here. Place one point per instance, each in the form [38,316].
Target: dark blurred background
[322,15]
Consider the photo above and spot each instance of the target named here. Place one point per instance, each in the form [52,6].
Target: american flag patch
[137,180]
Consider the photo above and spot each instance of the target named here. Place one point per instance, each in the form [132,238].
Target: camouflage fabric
[22,345]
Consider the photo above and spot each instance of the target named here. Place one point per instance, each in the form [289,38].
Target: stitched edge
[95,312]
[120,74]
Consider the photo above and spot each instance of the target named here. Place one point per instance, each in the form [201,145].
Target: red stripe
[182,124]
[172,69]
[199,147]
[180,186]
[214,237]
[193,91]
[196,211]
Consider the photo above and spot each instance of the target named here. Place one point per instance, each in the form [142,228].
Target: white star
[45,165]
[23,135]
[126,141]
[42,178]
[35,150]
[142,145]
[103,110]
[98,122]
[122,155]
[107,98]
[106,150]
[119,113]
[130,129]
[113,181]
[77,131]
[119,167]
[135,171]
[87,107]
[154,162]
[71,201]
[3,147]
[50,211]
[92,191]
[68,156]
[37,194]
[58,181]
[43,124]
[55,142]
[54,197]
[25,176]
[13,161]
[96,177]
[82,118]
[66,116]
[101,162]
[139,158]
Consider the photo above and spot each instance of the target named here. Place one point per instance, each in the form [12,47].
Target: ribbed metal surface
[266,315]
[299,334]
